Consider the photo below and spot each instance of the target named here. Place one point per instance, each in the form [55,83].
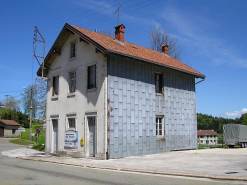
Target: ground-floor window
[71,122]
[160,126]
[13,131]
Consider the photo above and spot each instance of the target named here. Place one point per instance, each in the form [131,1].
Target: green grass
[19,141]
[24,139]
[41,138]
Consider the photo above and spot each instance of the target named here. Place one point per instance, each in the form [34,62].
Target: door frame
[87,133]
[52,134]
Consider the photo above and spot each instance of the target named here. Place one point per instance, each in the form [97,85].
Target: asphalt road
[15,171]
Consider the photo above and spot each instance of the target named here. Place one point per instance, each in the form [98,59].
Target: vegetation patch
[19,141]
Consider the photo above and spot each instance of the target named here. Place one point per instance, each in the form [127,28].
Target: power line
[90,22]
[12,91]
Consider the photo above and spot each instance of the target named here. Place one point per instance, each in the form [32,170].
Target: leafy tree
[243,119]
[159,36]
[10,103]
[39,91]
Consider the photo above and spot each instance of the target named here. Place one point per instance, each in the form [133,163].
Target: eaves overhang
[111,52]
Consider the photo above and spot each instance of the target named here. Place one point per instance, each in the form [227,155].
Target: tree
[159,36]
[10,103]
[39,90]
[243,119]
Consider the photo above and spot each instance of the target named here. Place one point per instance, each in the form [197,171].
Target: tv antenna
[117,11]
[36,40]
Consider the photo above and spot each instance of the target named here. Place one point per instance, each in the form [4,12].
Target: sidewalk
[228,164]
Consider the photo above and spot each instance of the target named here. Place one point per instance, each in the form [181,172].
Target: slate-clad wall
[133,105]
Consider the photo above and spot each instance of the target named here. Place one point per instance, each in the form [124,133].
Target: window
[91,83]
[55,85]
[159,126]
[71,123]
[72,82]
[158,83]
[72,50]
[13,131]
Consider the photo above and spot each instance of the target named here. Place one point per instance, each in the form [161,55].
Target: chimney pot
[119,32]
[165,49]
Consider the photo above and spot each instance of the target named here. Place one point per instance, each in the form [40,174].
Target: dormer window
[72,50]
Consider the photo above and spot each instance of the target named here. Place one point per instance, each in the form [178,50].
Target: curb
[138,171]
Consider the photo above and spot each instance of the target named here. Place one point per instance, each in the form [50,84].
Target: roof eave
[109,52]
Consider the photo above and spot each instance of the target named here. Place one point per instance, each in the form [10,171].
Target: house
[109,98]
[1,105]
[9,128]
[207,137]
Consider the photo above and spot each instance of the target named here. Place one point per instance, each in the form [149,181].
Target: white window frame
[68,117]
[157,125]
[53,88]
[89,77]
[70,79]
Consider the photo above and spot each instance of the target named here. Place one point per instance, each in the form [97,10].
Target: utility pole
[31,112]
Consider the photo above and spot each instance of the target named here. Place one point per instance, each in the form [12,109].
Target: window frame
[158,82]
[68,118]
[54,84]
[72,53]
[157,126]
[70,82]
[89,77]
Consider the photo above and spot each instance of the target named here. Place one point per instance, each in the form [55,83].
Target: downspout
[106,110]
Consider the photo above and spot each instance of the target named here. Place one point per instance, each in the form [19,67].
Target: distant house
[109,98]
[9,128]
[1,105]
[207,137]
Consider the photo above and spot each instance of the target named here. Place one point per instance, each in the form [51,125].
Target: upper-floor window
[72,81]
[72,50]
[160,126]
[158,83]
[55,85]
[91,83]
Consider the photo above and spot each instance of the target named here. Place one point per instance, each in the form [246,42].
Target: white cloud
[236,113]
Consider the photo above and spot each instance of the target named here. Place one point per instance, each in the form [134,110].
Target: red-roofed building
[207,137]
[1,104]
[9,128]
[109,98]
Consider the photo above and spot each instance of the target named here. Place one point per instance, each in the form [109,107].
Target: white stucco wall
[82,101]
[8,131]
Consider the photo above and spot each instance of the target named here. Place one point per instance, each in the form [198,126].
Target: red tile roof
[206,133]
[1,104]
[109,45]
[134,50]
[9,122]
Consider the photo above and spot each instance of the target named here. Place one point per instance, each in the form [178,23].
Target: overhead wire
[91,22]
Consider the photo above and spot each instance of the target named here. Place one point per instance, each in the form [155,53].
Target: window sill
[159,94]
[91,90]
[163,138]
[72,94]
[72,58]
[54,97]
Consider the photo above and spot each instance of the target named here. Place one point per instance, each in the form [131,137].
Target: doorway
[92,136]
[55,134]
[1,131]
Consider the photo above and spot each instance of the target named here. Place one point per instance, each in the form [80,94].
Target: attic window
[133,47]
[158,82]
[72,50]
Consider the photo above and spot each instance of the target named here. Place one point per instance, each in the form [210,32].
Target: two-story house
[109,98]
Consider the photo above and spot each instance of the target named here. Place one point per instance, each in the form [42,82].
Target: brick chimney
[165,49]
[119,32]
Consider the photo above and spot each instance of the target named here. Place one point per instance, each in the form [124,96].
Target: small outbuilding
[207,137]
[9,128]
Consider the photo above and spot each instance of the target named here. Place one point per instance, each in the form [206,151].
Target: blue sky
[211,34]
